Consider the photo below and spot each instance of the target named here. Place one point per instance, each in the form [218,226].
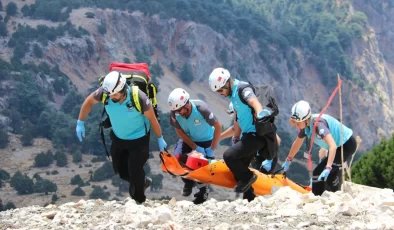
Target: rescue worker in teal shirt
[256,124]
[329,135]
[198,129]
[130,130]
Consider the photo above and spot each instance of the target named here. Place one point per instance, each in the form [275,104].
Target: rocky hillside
[175,42]
[108,35]
[360,207]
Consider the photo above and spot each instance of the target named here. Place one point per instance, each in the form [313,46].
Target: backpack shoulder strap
[136,98]
[137,102]
[268,99]
[152,93]
[104,99]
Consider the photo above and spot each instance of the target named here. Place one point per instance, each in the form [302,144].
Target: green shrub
[78,191]
[37,51]
[11,9]
[186,74]
[99,193]
[22,183]
[102,28]
[375,168]
[4,175]
[104,172]
[44,186]
[77,157]
[9,205]
[27,134]
[43,159]
[77,180]
[3,29]
[61,159]
[54,198]
[3,137]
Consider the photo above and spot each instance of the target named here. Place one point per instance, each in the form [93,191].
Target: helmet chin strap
[230,88]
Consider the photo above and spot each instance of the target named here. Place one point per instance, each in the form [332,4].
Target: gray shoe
[148,182]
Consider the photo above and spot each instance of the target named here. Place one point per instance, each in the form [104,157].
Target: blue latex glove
[267,165]
[200,149]
[80,130]
[264,113]
[286,165]
[209,153]
[324,174]
[162,143]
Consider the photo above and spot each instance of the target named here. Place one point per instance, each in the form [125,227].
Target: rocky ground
[359,207]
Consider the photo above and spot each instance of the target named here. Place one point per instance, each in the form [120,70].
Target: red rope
[315,124]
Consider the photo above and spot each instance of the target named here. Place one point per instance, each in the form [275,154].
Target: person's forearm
[227,133]
[86,107]
[332,149]
[255,104]
[237,130]
[150,114]
[181,134]
[295,147]
[331,156]
[156,127]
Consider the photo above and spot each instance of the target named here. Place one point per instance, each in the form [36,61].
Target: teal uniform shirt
[199,125]
[327,124]
[244,112]
[127,122]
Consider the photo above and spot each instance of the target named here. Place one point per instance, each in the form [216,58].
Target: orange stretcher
[218,173]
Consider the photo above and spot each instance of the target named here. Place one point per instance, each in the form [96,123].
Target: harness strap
[153,97]
[101,130]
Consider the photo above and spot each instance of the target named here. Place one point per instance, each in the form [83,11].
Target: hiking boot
[201,196]
[187,190]
[249,194]
[242,186]
[148,182]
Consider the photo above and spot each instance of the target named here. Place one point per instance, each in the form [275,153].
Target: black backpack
[265,125]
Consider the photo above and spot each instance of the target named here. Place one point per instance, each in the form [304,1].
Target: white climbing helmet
[178,98]
[218,78]
[113,82]
[300,111]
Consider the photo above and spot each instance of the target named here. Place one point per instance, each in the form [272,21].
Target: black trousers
[269,151]
[183,149]
[239,156]
[128,160]
[334,179]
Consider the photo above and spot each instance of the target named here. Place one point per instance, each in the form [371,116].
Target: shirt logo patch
[129,106]
[210,116]
[321,131]
[247,93]
[197,122]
